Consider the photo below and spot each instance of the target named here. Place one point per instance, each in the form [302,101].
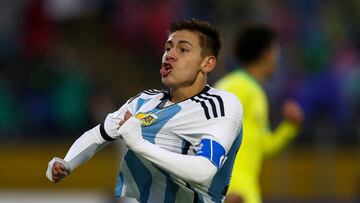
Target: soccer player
[257,51]
[178,144]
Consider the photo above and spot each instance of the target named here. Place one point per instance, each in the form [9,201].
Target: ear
[208,64]
[271,54]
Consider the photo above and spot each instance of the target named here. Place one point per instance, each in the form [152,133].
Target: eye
[167,49]
[183,50]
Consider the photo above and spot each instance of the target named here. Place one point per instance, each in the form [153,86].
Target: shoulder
[219,102]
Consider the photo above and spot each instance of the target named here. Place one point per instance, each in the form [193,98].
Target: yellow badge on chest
[146,119]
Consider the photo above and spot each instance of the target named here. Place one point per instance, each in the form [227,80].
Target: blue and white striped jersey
[211,119]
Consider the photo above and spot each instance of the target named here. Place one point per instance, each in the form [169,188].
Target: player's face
[181,62]
[272,60]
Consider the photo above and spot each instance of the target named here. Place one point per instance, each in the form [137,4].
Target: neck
[256,71]
[182,93]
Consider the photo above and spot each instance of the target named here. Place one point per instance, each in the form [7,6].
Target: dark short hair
[252,41]
[209,36]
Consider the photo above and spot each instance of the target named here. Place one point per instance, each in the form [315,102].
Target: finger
[127,115]
[57,179]
[59,170]
[54,172]
[62,167]
[59,166]
[60,176]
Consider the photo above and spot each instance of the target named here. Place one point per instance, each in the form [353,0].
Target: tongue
[163,71]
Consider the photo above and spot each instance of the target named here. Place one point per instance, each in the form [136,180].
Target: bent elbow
[203,176]
[203,179]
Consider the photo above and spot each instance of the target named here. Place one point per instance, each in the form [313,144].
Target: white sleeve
[190,168]
[85,147]
[93,140]
[225,129]
[196,169]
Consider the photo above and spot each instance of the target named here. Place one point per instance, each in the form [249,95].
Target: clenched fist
[57,170]
[293,112]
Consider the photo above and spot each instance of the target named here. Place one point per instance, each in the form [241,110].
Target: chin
[169,84]
[166,82]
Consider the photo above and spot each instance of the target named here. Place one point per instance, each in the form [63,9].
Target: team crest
[146,119]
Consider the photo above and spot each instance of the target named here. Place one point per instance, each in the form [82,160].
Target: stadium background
[64,64]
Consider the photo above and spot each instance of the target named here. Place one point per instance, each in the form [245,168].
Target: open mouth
[165,69]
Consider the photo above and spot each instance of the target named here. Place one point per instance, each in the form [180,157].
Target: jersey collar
[166,96]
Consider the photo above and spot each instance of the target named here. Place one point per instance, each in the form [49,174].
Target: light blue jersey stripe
[119,185]
[164,115]
[171,187]
[140,173]
[140,102]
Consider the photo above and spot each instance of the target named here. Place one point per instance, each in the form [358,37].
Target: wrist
[293,122]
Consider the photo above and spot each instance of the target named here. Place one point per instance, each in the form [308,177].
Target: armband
[213,151]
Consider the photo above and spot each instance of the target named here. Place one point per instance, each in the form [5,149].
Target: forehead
[185,35]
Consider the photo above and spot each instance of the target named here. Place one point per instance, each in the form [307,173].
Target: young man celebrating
[179,144]
[257,51]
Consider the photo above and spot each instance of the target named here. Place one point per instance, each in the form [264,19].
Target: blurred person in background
[257,51]
[178,145]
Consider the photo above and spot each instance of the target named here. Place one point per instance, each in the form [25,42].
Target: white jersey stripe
[179,128]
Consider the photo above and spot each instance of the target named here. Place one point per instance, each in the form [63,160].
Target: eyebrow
[185,42]
[180,42]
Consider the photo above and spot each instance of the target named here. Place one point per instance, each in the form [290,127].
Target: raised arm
[277,140]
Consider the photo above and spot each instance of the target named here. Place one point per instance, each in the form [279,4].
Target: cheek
[189,73]
[187,70]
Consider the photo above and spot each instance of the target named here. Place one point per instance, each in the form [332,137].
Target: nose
[170,55]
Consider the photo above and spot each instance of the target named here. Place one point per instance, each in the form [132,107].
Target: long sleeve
[93,140]
[256,123]
[201,169]
[274,142]
[85,147]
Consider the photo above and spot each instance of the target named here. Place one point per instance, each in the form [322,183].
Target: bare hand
[233,198]
[293,112]
[58,172]
[126,117]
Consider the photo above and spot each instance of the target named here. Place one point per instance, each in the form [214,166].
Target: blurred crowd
[65,64]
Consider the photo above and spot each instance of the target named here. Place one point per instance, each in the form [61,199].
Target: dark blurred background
[65,64]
